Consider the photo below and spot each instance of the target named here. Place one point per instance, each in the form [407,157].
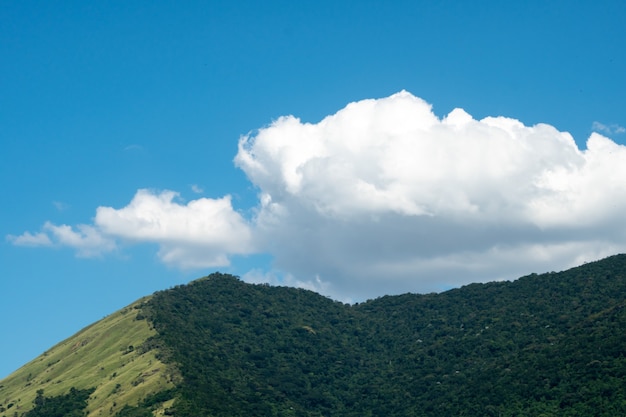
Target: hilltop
[542,344]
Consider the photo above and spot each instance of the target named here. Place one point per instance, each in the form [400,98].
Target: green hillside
[550,344]
[105,356]
[543,345]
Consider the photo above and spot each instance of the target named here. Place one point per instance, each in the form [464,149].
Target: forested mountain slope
[549,344]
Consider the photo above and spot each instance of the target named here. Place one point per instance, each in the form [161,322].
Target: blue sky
[145,144]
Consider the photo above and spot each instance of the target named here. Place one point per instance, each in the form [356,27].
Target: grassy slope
[97,356]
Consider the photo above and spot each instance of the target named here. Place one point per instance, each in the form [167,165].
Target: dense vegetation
[71,404]
[543,345]
[550,344]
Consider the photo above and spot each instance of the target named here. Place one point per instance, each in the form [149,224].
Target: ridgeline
[549,344]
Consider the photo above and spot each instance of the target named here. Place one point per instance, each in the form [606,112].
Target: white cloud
[29,239]
[60,206]
[258,276]
[384,196]
[85,239]
[196,189]
[611,129]
[201,233]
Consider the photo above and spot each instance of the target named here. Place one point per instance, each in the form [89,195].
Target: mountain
[549,344]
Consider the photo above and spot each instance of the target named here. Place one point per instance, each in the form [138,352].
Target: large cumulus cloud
[386,196]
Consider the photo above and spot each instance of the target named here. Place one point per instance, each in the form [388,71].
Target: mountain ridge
[549,343]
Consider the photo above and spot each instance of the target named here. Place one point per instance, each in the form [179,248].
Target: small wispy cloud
[196,189]
[133,147]
[86,240]
[610,129]
[59,205]
[30,239]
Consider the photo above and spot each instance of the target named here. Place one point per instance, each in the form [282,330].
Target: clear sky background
[145,144]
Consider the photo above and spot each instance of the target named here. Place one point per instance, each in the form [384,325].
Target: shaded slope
[106,356]
[550,343]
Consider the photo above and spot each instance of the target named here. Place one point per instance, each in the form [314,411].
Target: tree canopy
[544,344]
